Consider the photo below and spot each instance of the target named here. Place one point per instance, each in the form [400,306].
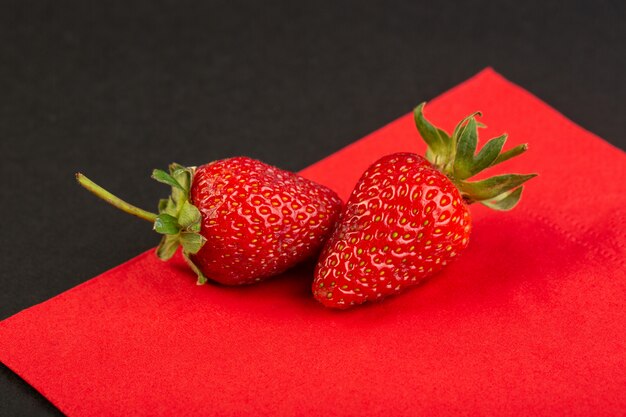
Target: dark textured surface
[115,89]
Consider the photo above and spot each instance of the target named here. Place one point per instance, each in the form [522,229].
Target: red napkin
[529,321]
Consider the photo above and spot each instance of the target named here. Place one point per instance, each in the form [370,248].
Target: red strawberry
[238,220]
[408,216]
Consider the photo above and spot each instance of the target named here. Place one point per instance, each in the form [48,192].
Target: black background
[117,88]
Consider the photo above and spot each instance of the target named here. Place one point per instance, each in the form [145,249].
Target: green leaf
[494,186]
[465,149]
[444,135]
[165,178]
[505,201]
[487,154]
[167,247]
[463,123]
[189,215]
[181,174]
[201,278]
[166,224]
[438,144]
[511,153]
[192,242]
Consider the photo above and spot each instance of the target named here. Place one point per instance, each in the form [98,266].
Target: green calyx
[178,220]
[455,155]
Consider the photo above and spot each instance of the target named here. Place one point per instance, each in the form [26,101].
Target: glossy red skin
[258,220]
[404,221]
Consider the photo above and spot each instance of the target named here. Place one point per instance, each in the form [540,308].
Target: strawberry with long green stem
[237,220]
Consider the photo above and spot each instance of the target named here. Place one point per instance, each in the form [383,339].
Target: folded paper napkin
[529,321]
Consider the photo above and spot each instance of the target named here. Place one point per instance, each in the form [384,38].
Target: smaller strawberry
[238,220]
[408,216]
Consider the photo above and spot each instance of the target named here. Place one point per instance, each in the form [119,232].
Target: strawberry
[238,220]
[409,216]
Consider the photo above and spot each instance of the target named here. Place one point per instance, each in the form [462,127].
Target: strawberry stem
[113,200]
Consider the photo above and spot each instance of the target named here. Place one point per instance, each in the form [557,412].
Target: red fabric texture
[529,321]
